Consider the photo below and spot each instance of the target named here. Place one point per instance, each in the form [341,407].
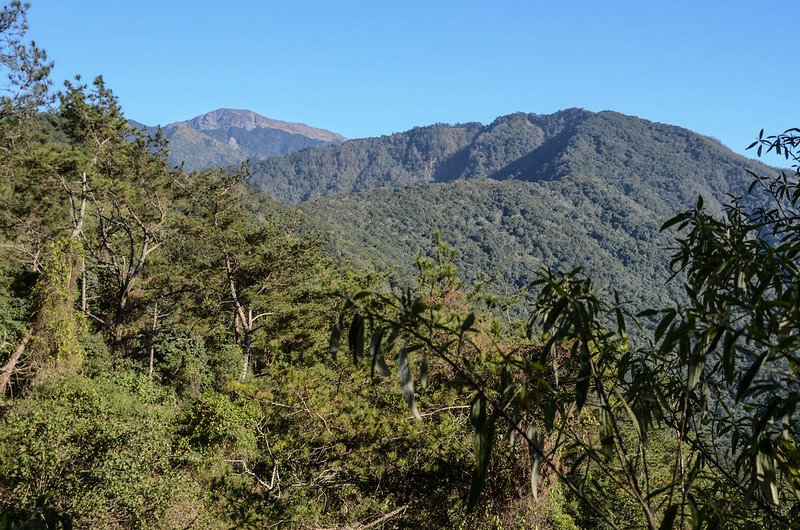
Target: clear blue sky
[365,68]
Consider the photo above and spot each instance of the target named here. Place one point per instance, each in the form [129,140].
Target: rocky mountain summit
[227,137]
[249,120]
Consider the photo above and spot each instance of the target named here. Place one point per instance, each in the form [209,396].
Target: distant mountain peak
[228,137]
[249,120]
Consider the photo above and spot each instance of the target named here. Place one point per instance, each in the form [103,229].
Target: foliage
[578,189]
[181,356]
[254,277]
[59,327]
[398,160]
[96,450]
[714,384]
[23,65]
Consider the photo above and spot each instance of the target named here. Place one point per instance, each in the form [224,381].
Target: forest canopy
[180,350]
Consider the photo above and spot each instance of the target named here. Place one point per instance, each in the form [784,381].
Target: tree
[251,271]
[127,181]
[711,383]
[23,65]
[86,210]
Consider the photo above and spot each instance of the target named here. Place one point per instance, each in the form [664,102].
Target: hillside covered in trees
[178,349]
[565,190]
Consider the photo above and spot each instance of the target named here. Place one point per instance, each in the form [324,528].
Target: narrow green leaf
[684,344]
[747,379]
[506,382]
[512,431]
[675,220]
[741,282]
[766,472]
[647,313]
[582,382]
[554,313]
[551,352]
[407,382]
[695,370]
[482,444]
[549,408]
[606,432]
[636,425]
[666,320]
[390,342]
[356,337]
[535,448]
[477,411]
[336,336]
[376,353]
[694,513]
[621,329]
[729,355]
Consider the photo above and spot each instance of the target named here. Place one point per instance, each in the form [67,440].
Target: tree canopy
[712,381]
[179,351]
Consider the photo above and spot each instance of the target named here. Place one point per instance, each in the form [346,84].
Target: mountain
[226,137]
[574,188]
[436,153]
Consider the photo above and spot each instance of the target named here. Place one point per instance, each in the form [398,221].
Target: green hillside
[436,153]
[570,189]
[503,231]
[179,350]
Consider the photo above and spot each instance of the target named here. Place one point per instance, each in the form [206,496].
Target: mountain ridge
[573,188]
[248,120]
[519,145]
[227,137]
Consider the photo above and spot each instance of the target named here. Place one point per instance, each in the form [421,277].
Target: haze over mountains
[226,137]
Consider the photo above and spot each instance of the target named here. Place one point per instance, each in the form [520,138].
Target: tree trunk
[246,356]
[84,300]
[245,319]
[153,340]
[8,368]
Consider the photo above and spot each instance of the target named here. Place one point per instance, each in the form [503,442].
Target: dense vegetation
[178,351]
[640,158]
[592,194]
[164,345]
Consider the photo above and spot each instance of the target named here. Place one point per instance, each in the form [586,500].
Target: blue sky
[365,68]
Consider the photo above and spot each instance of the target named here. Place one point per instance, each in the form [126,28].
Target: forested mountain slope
[624,151]
[504,232]
[573,188]
[177,351]
[436,153]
